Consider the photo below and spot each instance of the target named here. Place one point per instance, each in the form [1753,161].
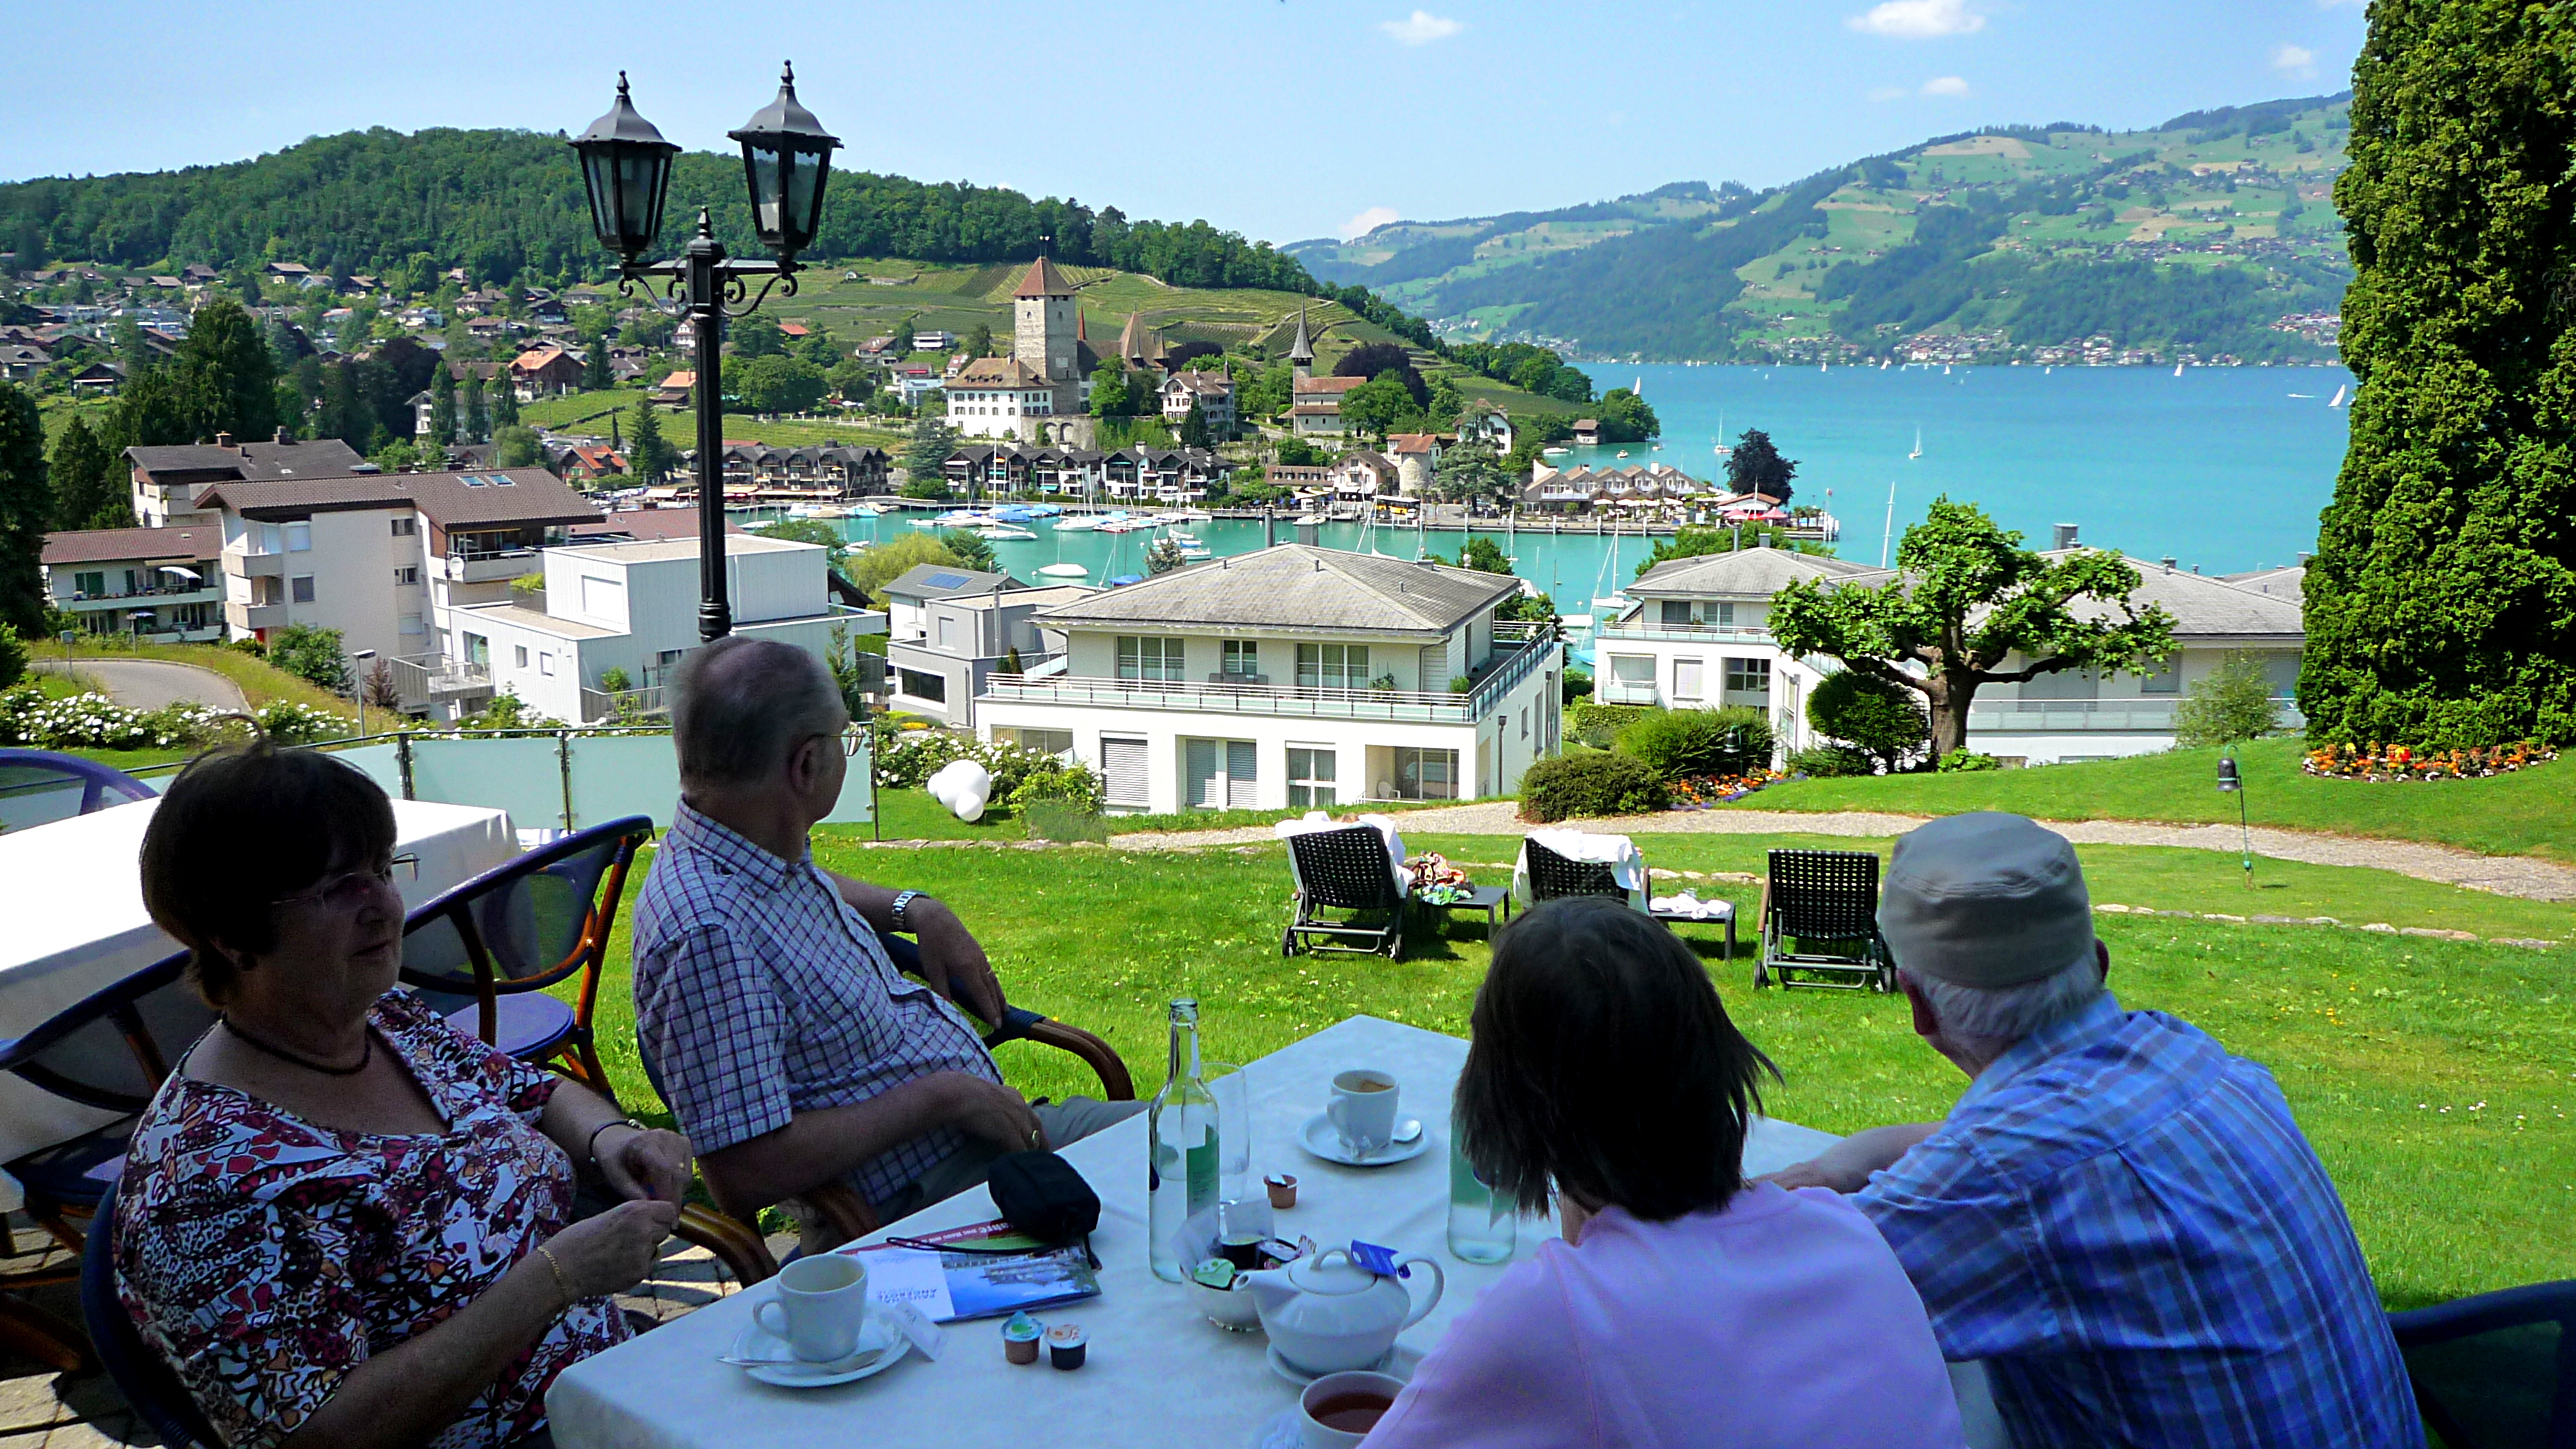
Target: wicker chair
[1344,870]
[1552,877]
[1820,922]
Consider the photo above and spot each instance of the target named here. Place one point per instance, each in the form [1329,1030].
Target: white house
[634,607]
[1290,677]
[1699,635]
[165,585]
[989,396]
[965,638]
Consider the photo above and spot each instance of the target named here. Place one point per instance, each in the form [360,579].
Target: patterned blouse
[266,1257]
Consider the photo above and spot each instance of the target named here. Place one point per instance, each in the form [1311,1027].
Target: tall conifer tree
[89,489]
[26,512]
[2441,605]
[442,407]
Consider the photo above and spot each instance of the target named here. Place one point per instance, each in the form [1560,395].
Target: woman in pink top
[1684,1307]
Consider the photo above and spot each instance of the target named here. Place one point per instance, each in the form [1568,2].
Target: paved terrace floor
[2510,875]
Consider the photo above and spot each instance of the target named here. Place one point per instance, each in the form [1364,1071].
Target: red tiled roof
[108,545]
[1334,385]
[1043,280]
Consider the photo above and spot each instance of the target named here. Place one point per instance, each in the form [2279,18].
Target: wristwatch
[902,903]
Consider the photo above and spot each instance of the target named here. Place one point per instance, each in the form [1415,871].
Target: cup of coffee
[822,1305]
[1363,1109]
[1338,1410]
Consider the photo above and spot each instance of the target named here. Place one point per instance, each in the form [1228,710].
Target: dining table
[1157,1371]
[71,895]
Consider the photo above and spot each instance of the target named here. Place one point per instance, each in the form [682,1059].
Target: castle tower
[1046,332]
[1301,353]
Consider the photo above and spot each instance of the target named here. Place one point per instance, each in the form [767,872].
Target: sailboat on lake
[2338,397]
[1918,446]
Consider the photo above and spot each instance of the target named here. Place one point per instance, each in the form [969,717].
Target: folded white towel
[1688,904]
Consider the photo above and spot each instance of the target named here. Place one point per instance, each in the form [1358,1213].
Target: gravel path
[153,683]
[2509,875]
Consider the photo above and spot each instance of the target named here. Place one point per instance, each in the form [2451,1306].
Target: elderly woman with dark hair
[1683,1306]
[341,1221]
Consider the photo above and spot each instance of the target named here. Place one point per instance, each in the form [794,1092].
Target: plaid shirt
[2124,1221]
[761,994]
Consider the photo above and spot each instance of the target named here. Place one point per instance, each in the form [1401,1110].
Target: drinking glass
[1234,1180]
[1481,1227]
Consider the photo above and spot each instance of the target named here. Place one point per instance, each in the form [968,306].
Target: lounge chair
[1554,877]
[1820,922]
[1345,870]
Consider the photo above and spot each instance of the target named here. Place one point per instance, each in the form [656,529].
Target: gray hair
[739,705]
[1996,1017]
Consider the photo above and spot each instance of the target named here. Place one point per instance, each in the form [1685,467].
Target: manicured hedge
[1590,783]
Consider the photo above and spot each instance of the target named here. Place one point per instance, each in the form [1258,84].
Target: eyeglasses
[852,741]
[350,888]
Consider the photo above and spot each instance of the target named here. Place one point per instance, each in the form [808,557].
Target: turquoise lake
[2222,467]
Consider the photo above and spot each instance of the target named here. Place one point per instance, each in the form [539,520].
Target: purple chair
[38,787]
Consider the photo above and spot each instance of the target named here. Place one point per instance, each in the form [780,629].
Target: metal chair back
[38,787]
[2497,1371]
[114,1049]
[527,924]
[1552,877]
[136,1367]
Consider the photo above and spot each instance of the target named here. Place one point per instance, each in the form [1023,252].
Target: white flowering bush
[96,722]
[906,757]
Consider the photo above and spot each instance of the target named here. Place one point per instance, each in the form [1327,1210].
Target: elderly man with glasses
[2121,1218]
[768,996]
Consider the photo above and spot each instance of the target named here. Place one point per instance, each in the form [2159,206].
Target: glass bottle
[1481,1229]
[1181,1132]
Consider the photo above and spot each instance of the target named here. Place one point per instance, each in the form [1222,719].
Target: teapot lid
[1310,1275]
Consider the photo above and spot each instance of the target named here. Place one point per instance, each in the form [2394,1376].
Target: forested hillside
[2194,239]
[508,204]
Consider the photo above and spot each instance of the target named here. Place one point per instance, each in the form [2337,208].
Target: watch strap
[902,908]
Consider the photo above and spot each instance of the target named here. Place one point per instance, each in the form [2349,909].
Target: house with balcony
[166,481]
[1290,677]
[634,607]
[1699,636]
[164,585]
[964,640]
[384,557]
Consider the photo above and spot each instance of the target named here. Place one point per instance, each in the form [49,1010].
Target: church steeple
[1301,353]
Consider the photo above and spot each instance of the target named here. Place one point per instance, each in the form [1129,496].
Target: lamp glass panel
[637,172]
[601,176]
[805,196]
[766,191]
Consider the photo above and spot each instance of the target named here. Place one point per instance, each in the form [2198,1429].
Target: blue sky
[1283,119]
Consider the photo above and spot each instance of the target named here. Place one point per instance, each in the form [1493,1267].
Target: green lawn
[260,681]
[2529,812]
[913,815]
[2433,1076]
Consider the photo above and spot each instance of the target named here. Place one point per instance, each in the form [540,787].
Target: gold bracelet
[556,1268]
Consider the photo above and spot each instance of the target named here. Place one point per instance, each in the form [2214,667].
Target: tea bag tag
[1380,1261]
[927,1336]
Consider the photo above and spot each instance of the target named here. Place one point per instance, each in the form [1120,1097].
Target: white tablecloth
[1159,1373]
[71,895]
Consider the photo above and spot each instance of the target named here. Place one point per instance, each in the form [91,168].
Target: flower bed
[96,722]
[1700,792]
[2376,763]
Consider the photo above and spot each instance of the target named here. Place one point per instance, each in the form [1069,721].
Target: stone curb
[2377,927]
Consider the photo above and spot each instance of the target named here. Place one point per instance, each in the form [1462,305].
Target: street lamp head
[626,168]
[2228,780]
[786,156]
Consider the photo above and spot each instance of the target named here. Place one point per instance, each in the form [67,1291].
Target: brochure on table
[952,1286]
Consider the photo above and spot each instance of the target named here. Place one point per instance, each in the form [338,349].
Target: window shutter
[1122,762]
[1198,766]
[1242,769]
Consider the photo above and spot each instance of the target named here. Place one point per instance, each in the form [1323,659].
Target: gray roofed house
[1744,573]
[2285,583]
[2206,609]
[167,480]
[1298,586]
[911,591]
[472,498]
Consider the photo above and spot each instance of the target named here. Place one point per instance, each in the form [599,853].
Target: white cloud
[1369,221]
[1919,19]
[1945,85]
[2295,60]
[1421,28]
[1889,93]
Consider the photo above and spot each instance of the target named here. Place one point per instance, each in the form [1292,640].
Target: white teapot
[1325,1317]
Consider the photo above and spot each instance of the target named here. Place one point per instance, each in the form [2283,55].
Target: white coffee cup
[1363,1109]
[1336,1397]
[822,1305]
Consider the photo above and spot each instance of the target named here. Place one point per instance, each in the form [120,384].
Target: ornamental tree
[2441,604]
[1966,598]
[1757,467]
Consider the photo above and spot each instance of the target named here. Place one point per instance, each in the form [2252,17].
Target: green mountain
[2211,236]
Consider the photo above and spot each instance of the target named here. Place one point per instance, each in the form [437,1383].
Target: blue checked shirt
[762,994]
[2124,1221]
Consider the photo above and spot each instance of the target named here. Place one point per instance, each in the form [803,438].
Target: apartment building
[964,639]
[1290,677]
[166,481]
[164,585]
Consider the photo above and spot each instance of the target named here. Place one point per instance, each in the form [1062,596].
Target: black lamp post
[626,168]
[2232,783]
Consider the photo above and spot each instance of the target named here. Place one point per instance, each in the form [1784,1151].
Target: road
[152,683]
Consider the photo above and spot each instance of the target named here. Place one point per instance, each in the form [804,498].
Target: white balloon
[964,787]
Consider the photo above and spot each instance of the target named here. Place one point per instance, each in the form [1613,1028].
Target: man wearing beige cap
[2118,1216]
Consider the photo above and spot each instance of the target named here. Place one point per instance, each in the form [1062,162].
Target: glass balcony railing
[1519,654]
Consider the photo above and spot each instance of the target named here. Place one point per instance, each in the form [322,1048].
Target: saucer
[880,1345]
[1399,1363]
[1320,1137]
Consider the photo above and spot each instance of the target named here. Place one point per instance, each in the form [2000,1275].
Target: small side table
[1488,899]
[1671,918]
